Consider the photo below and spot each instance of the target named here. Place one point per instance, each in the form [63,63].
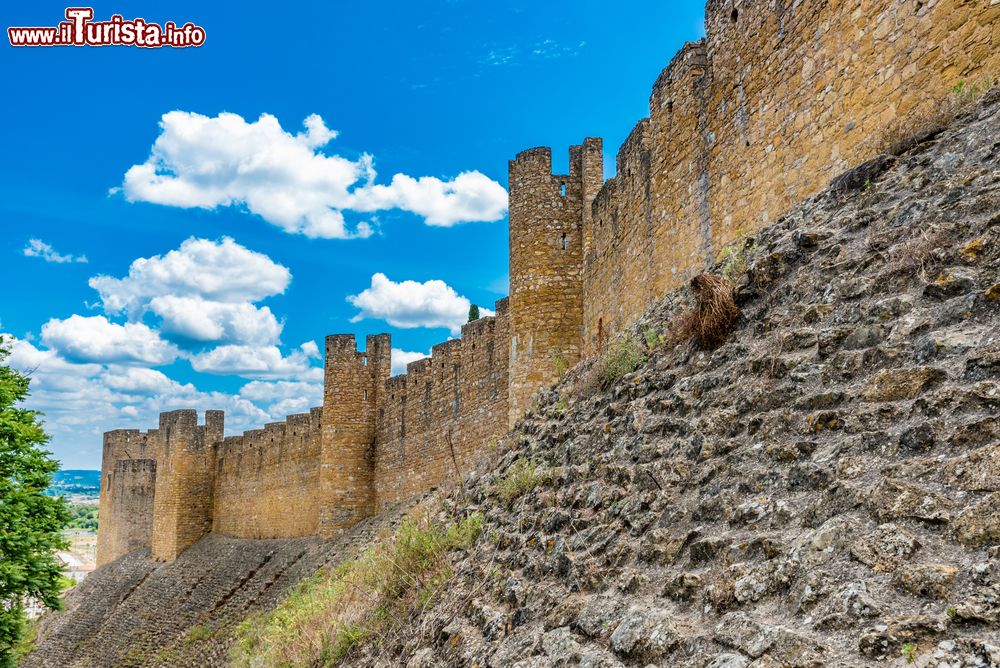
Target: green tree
[30,521]
[473,313]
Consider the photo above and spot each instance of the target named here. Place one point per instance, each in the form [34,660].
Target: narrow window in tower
[365,360]
[562,188]
[565,243]
[366,395]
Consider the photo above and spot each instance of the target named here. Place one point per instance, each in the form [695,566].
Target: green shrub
[82,517]
[652,338]
[25,643]
[197,634]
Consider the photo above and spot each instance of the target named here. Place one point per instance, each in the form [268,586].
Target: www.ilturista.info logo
[81,30]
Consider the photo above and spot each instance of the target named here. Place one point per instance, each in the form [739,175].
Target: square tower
[550,232]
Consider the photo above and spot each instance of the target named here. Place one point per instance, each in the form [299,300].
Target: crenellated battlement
[156,485]
[550,230]
[777,99]
[314,473]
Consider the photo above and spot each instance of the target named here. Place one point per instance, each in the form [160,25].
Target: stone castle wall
[437,416]
[777,99]
[182,500]
[319,473]
[774,102]
[547,245]
[353,385]
[131,486]
[116,526]
[264,473]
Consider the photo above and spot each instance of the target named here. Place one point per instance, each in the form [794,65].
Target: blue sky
[165,246]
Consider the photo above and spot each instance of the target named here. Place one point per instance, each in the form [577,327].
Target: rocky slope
[136,612]
[821,490]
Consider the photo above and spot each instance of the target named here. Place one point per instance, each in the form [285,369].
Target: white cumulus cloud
[82,401]
[470,196]
[256,361]
[222,271]
[203,291]
[38,248]
[410,304]
[141,381]
[201,320]
[283,397]
[96,339]
[400,358]
[209,162]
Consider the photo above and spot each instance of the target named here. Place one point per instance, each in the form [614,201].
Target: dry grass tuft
[918,255]
[714,315]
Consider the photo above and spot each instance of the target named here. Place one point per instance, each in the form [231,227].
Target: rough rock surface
[821,490]
[137,612]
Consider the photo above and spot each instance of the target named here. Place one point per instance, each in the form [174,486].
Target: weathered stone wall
[778,99]
[352,384]
[436,418]
[812,83]
[182,504]
[121,445]
[317,473]
[546,260]
[267,480]
[131,486]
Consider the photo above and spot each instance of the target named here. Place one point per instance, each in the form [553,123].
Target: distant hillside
[86,483]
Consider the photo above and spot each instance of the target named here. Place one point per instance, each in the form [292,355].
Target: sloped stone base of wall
[137,612]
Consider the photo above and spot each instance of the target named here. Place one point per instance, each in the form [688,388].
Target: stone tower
[123,512]
[550,233]
[131,489]
[182,504]
[352,394]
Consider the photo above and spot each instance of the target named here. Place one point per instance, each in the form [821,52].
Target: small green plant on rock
[522,477]
[910,652]
[197,634]
[653,338]
[908,131]
[621,358]
[734,260]
[970,92]
[558,361]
